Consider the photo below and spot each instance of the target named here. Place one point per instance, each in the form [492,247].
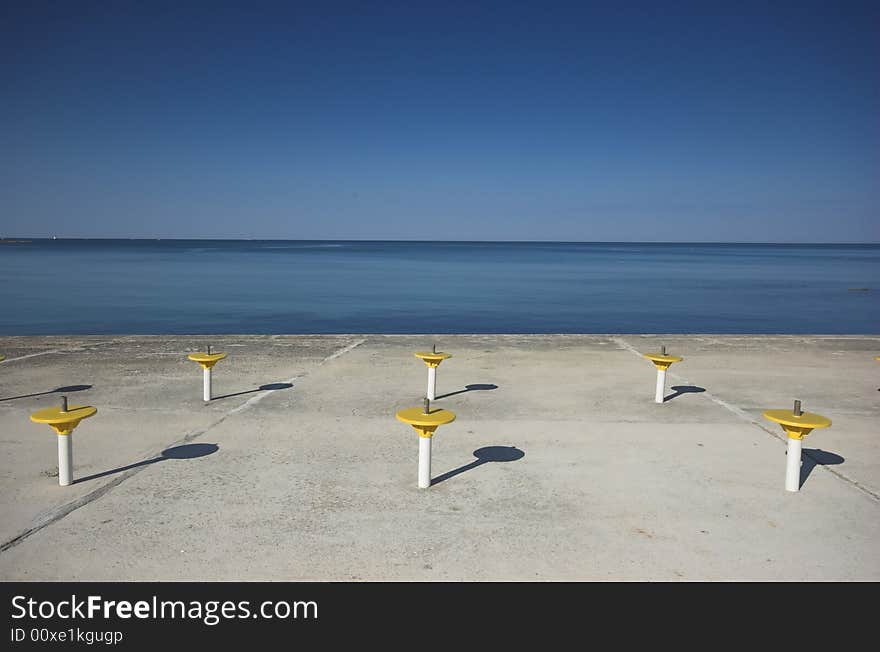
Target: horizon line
[232,239]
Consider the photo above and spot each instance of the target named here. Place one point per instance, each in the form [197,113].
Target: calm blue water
[189,286]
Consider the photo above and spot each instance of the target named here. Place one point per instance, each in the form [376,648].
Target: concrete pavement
[581,476]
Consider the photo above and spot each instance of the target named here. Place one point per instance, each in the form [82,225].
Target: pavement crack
[84,347]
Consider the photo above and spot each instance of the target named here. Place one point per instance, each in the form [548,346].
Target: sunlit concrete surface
[298,470]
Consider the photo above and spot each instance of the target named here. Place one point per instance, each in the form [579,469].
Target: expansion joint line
[84,347]
[56,514]
[745,416]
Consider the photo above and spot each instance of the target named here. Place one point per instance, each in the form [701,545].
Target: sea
[77,287]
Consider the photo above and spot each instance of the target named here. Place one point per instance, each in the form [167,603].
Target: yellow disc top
[433,358]
[665,359]
[2,358]
[204,357]
[806,420]
[54,415]
[416,417]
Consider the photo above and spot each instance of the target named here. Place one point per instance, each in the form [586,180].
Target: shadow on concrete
[261,388]
[184,452]
[484,455]
[477,387]
[810,457]
[678,390]
[60,390]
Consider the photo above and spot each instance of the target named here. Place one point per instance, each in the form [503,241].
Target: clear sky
[659,121]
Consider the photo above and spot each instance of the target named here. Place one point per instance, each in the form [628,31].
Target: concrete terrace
[312,478]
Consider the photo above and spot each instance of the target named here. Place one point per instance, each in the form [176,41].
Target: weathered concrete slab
[583,478]
[149,396]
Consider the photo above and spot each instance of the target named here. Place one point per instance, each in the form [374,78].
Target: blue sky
[660,121]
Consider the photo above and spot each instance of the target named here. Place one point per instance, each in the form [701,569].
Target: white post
[661,385]
[793,465]
[207,375]
[424,462]
[432,381]
[65,460]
